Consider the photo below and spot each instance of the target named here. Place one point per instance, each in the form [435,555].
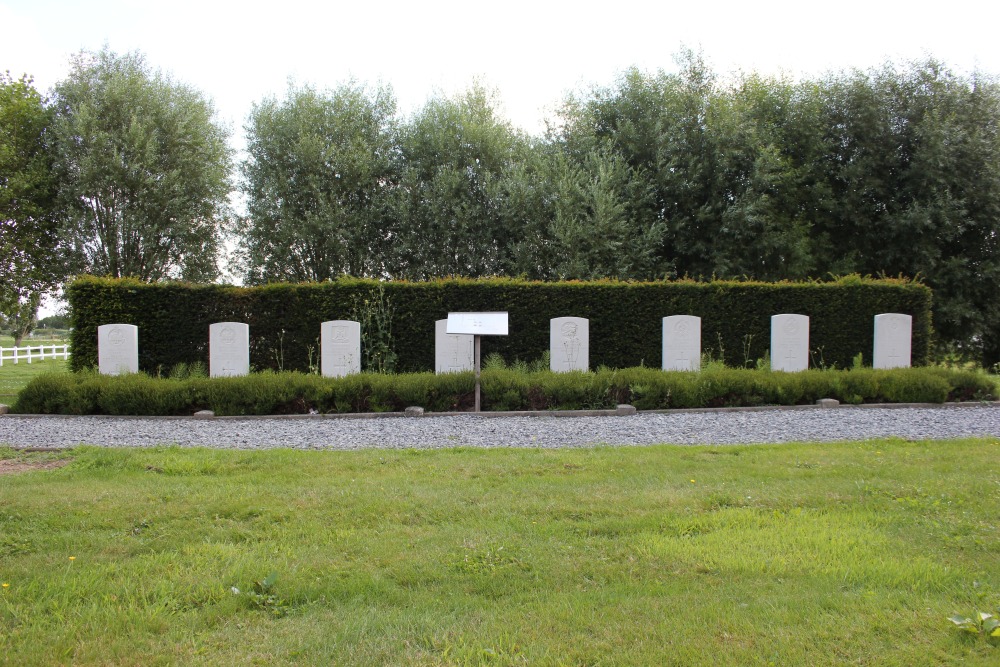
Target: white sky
[532,52]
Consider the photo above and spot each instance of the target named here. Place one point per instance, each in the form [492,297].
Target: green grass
[41,337]
[13,377]
[851,553]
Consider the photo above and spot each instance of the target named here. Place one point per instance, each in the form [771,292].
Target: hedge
[502,389]
[625,318]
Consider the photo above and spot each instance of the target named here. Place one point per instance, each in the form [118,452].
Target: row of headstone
[569,345]
[229,348]
[789,342]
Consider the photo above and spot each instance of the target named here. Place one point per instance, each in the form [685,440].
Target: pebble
[680,428]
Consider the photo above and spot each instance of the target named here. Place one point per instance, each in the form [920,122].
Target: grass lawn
[13,376]
[851,553]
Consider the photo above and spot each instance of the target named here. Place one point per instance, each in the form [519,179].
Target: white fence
[33,352]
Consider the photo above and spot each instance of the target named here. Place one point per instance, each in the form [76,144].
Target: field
[851,553]
[13,377]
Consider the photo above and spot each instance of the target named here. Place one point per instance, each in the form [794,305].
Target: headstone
[117,349]
[228,349]
[340,348]
[893,340]
[681,343]
[569,344]
[789,343]
[453,353]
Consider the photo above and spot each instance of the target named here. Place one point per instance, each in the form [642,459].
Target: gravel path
[714,427]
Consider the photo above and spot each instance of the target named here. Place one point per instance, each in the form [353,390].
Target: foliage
[982,624]
[30,250]
[458,158]
[21,319]
[143,170]
[625,318]
[374,313]
[57,321]
[888,171]
[598,229]
[14,377]
[319,178]
[503,389]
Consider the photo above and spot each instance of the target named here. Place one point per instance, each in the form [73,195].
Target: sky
[532,52]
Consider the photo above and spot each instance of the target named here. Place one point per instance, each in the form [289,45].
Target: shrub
[398,322]
[503,389]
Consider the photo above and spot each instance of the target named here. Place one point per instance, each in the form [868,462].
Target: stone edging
[620,411]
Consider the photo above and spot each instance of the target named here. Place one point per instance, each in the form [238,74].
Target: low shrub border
[504,389]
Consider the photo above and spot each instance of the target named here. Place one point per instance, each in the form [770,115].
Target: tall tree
[710,167]
[596,228]
[915,169]
[30,257]
[458,152]
[144,168]
[319,181]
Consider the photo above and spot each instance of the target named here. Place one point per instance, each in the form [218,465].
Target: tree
[319,180]
[30,253]
[706,164]
[143,168]
[458,154]
[915,170]
[22,319]
[596,230]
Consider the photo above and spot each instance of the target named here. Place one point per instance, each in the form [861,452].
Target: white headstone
[569,344]
[228,349]
[681,343]
[789,343]
[453,353]
[340,348]
[117,349]
[893,340]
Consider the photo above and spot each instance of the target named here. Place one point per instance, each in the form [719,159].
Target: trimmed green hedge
[625,318]
[502,389]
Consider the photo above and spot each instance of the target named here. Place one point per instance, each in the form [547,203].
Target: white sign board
[477,324]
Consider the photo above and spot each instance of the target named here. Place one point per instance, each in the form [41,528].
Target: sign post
[477,324]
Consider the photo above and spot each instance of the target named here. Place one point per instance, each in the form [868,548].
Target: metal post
[477,339]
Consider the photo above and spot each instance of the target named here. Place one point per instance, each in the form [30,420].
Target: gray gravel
[682,428]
